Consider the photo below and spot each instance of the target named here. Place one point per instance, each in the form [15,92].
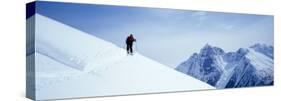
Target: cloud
[200,16]
[227,26]
[198,13]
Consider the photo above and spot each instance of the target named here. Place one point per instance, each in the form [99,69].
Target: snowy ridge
[71,63]
[247,67]
[264,49]
[259,60]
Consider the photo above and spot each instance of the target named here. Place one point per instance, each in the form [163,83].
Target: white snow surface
[71,63]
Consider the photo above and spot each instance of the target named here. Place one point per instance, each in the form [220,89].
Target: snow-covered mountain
[70,63]
[264,49]
[246,67]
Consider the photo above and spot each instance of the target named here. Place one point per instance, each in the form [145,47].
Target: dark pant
[130,48]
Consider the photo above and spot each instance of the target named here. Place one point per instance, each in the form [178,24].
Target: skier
[129,41]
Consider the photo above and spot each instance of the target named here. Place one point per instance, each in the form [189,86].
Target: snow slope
[71,63]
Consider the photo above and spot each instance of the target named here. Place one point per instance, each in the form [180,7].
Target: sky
[168,36]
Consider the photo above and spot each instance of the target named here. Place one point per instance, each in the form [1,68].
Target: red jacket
[130,39]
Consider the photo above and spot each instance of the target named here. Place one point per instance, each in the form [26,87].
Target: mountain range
[252,66]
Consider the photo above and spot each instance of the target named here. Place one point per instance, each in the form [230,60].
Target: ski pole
[124,46]
[136,46]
